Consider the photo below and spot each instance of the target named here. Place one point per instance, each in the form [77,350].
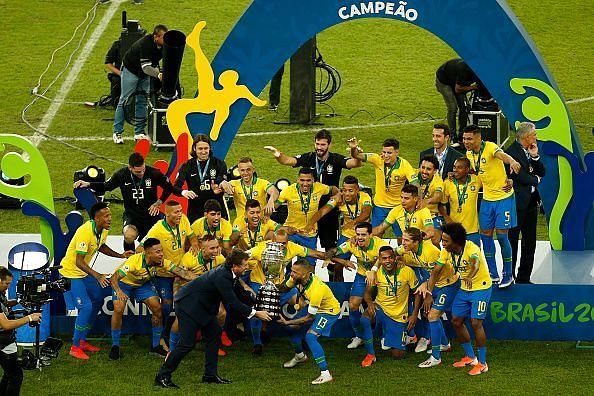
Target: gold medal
[296,306]
[459,209]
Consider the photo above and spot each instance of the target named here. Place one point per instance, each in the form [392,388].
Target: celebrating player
[473,297]
[250,187]
[461,193]
[366,249]
[430,192]
[303,199]
[251,228]
[395,284]
[213,224]
[498,207]
[408,215]
[391,172]
[85,282]
[134,280]
[257,278]
[322,309]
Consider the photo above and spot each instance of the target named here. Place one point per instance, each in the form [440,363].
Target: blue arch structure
[485,33]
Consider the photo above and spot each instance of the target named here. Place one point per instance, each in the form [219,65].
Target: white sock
[325,373]
[300,355]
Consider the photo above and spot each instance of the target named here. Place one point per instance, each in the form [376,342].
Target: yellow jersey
[257,190]
[463,200]
[393,291]
[490,170]
[426,190]
[351,211]
[302,207]
[198,265]
[461,263]
[420,219]
[292,250]
[317,294]
[135,271]
[389,180]
[427,254]
[251,238]
[173,241]
[85,242]
[366,258]
[222,233]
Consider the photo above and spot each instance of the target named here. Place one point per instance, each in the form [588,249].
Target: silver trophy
[273,260]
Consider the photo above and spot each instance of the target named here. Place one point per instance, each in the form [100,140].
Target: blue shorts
[471,303]
[394,332]
[443,297]
[474,237]
[379,214]
[358,287]
[137,293]
[164,287]
[284,297]
[323,322]
[308,242]
[500,214]
[438,221]
[84,291]
[421,273]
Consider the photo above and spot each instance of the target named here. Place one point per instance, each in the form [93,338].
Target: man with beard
[445,154]
[213,224]
[251,228]
[430,193]
[327,168]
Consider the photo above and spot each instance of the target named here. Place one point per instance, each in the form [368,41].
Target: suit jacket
[526,179]
[448,164]
[201,298]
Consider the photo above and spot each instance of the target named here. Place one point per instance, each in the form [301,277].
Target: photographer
[13,373]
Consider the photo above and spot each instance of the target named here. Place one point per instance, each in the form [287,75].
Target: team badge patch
[148,183]
[82,246]
[213,172]
[329,168]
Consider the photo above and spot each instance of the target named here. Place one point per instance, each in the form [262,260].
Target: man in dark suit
[525,151]
[445,154]
[196,308]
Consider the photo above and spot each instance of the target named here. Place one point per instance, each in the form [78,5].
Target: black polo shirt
[455,71]
[113,55]
[326,172]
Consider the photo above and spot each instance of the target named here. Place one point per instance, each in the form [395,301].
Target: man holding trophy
[269,264]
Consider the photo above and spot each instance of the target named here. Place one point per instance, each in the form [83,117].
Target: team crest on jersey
[396,178]
[255,194]
[315,197]
[183,232]
[484,160]
[82,245]
[329,168]
[148,183]
[472,188]
[398,284]
[78,301]
[213,172]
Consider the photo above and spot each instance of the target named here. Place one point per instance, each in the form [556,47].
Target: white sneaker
[442,348]
[117,138]
[295,361]
[431,362]
[422,345]
[385,348]
[323,378]
[141,136]
[410,340]
[356,342]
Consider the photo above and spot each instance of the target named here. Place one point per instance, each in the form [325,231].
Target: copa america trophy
[268,299]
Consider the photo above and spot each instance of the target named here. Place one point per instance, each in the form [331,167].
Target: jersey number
[482,306]
[137,193]
[442,299]
[507,216]
[389,291]
[322,323]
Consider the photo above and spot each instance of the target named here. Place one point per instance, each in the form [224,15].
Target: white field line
[74,72]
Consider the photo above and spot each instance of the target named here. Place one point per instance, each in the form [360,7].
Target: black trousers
[527,219]
[10,385]
[275,87]
[211,334]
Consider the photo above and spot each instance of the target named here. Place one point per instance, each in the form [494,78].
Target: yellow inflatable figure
[209,99]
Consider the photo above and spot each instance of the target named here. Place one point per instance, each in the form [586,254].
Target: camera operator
[113,63]
[13,373]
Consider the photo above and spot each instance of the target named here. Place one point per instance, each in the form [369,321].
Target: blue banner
[521,312]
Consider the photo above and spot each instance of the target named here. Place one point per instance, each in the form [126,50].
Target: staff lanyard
[394,285]
[255,237]
[477,164]
[201,173]
[304,204]
[177,236]
[388,174]
[426,190]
